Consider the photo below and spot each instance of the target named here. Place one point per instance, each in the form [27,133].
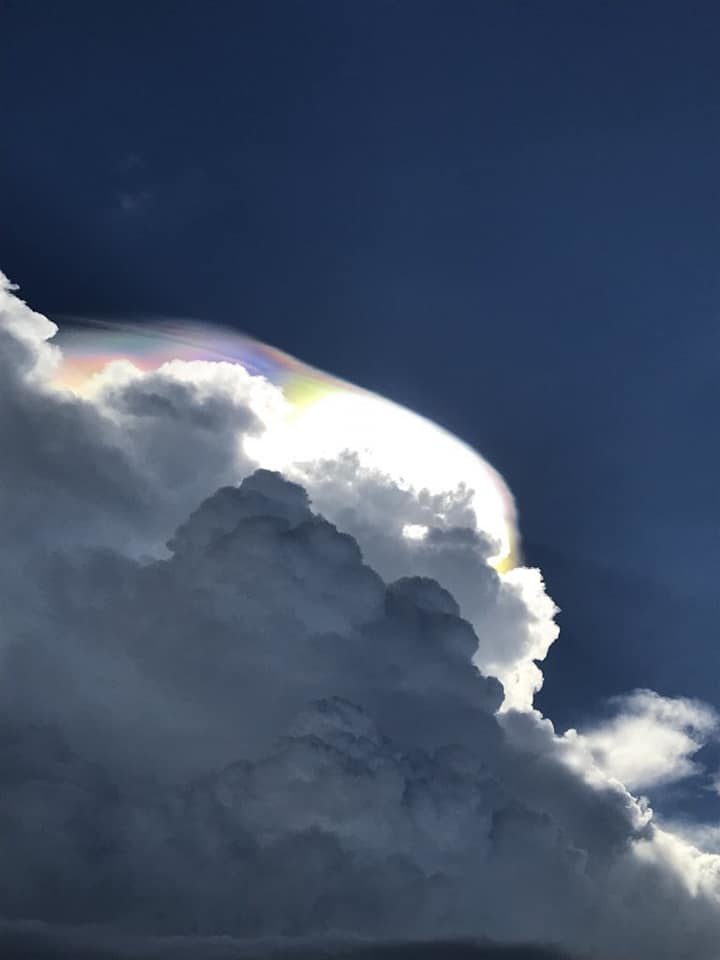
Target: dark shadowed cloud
[41,942]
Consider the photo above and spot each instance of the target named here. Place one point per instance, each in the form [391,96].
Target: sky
[502,215]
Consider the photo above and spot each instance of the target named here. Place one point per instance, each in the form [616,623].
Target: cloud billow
[224,714]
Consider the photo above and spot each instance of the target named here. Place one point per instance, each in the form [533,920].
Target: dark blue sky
[505,215]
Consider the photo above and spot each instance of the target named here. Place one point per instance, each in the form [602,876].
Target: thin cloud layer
[223,712]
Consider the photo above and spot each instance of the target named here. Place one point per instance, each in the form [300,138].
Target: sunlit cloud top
[323,416]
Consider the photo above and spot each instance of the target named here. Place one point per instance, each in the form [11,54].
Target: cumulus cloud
[244,703]
[511,613]
[651,740]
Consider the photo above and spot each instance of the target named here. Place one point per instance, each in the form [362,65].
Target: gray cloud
[30,941]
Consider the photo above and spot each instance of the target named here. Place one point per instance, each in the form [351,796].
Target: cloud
[652,739]
[702,836]
[511,613]
[234,701]
[113,468]
[33,941]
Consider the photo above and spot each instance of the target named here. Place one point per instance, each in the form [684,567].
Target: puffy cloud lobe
[59,463]
[511,613]
[160,417]
[275,727]
[124,465]
[261,607]
[651,740]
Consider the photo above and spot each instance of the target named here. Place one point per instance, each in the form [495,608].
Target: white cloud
[704,837]
[652,739]
[511,613]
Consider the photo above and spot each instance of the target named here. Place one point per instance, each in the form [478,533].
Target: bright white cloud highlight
[390,439]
